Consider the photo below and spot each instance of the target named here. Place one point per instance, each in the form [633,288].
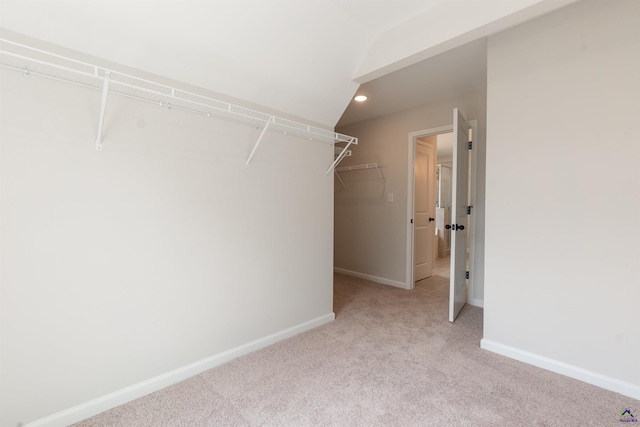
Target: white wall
[161,251]
[562,196]
[370,233]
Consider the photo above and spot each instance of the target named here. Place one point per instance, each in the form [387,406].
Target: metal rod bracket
[105,92]
[342,154]
[255,147]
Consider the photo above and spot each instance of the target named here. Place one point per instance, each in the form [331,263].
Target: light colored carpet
[389,359]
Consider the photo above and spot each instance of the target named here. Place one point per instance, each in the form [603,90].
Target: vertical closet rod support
[264,130]
[105,92]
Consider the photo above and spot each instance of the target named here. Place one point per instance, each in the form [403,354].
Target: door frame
[412,140]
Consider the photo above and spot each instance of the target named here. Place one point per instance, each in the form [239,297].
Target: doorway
[416,139]
[460,221]
[432,205]
[436,284]
[424,205]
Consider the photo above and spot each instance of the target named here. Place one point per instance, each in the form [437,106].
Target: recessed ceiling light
[360,98]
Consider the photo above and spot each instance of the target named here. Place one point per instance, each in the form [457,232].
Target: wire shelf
[32,61]
[360,167]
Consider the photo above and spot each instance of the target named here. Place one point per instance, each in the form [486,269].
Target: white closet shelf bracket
[338,150]
[375,166]
[105,93]
[340,179]
[255,147]
[343,153]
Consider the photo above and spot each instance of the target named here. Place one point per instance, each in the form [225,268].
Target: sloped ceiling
[301,57]
[458,71]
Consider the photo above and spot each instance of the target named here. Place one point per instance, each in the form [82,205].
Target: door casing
[413,137]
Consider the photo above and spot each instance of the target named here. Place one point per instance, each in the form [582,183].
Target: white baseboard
[127,394]
[599,380]
[376,279]
[476,302]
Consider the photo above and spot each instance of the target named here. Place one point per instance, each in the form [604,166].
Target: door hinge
[470,144]
[469,210]
[467,274]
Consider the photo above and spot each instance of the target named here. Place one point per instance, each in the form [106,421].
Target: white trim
[413,136]
[376,279]
[472,218]
[599,380]
[127,394]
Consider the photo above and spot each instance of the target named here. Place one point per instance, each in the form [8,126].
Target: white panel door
[424,210]
[459,201]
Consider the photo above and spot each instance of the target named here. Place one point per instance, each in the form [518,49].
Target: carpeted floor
[389,359]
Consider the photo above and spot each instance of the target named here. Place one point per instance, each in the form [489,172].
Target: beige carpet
[390,359]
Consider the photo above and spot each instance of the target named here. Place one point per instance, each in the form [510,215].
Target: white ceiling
[301,57]
[457,71]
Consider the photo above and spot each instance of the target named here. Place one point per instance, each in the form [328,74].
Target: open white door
[424,209]
[459,197]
